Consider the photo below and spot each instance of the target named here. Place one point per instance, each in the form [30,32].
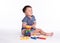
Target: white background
[47,13]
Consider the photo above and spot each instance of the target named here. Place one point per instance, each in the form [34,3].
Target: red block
[42,38]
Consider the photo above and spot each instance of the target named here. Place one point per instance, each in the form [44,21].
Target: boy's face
[28,11]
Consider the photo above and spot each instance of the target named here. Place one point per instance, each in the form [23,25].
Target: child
[29,20]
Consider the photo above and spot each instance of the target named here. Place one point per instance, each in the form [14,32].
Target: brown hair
[24,9]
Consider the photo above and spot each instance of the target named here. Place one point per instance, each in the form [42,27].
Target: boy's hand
[33,26]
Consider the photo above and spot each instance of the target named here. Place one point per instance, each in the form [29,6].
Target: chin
[30,15]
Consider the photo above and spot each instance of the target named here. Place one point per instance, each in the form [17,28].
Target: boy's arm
[25,24]
[34,25]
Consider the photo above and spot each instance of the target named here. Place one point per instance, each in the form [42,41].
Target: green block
[27,31]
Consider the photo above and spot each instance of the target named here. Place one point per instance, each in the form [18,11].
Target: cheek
[27,12]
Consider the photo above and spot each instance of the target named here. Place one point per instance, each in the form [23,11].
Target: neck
[30,16]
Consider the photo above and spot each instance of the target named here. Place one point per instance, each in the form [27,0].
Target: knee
[23,32]
[38,29]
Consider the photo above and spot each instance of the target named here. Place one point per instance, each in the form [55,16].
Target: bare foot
[49,34]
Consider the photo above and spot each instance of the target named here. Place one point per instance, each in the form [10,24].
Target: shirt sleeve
[34,20]
[24,20]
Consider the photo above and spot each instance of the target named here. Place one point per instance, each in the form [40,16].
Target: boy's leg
[42,32]
[23,31]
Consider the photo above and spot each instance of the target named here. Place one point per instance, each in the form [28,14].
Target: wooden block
[24,38]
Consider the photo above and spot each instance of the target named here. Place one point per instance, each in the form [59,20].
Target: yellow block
[24,38]
[28,27]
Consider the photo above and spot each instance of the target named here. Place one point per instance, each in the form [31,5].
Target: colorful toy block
[34,38]
[24,38]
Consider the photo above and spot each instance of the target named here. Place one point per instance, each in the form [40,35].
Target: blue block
[34,38]
[27,33]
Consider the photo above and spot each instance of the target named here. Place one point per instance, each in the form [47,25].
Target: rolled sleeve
[34,20]
[24,20]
